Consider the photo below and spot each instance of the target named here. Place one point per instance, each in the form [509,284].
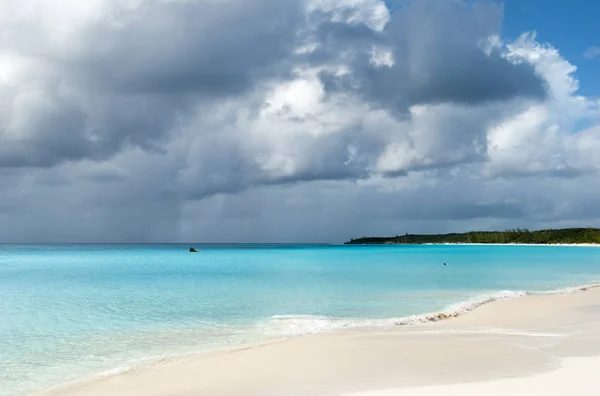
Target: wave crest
[296,325]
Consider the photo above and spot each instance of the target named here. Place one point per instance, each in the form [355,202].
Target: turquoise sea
[75,311]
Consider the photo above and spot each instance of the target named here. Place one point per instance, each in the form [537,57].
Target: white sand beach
[543,344]
[518,244]
[577,376]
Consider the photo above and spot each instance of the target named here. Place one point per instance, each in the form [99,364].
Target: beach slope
[530,345]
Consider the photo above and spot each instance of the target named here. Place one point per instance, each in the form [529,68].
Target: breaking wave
[297,325]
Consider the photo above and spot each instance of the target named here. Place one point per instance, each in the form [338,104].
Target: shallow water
[68,311]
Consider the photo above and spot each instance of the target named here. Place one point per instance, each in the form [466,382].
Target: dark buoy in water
[444,263]
[192,250]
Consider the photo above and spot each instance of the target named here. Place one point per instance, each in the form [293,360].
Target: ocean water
[72,311]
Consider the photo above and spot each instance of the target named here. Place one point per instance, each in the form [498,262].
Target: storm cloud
[171,120]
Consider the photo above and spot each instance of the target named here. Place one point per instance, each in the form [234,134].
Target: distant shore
[564,236]
[483,244]
[515,346]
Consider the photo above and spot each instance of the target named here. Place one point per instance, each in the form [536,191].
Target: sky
[295,120]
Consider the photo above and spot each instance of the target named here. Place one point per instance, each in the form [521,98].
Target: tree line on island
[518,235]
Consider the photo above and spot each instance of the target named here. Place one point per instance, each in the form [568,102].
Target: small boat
[192,250]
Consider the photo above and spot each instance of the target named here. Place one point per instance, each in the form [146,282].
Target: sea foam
[296,325]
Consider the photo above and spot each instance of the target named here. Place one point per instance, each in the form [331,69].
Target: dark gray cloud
[182,47]
[443,42]
[133,75]
[127,79]
[79,127]
[202,120]
[438,48]
[140,210]
[334,213]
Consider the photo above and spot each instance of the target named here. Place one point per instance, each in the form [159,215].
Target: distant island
[524,236]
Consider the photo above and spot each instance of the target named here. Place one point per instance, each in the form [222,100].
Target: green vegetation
[566,235]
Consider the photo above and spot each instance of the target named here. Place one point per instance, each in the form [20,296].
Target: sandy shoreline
[515,344]
[510,244]
[595,245]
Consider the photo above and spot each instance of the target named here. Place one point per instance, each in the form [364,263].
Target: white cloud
[543,137]
[382,57]
[592,52]
[372,13]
